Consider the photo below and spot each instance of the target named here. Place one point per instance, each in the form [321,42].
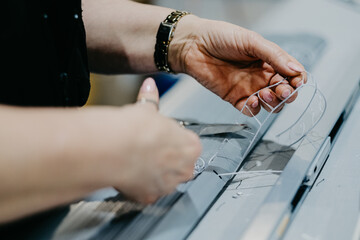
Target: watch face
[165,32]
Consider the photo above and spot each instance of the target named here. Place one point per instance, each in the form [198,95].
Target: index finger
[279,59]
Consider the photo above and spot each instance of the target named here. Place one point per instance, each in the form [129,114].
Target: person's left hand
[234,62]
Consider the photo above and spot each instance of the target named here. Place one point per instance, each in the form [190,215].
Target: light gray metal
[233,210]
[332,207]
[286,198]
[275,213]
[351,4]
[317,163]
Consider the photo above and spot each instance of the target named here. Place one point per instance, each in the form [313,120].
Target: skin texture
[234,62]
[87,149]
[231,61]
[52,156]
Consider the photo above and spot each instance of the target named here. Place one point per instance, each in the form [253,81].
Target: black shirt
[43,51]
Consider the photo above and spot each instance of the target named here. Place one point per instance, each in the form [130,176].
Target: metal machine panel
[332,207]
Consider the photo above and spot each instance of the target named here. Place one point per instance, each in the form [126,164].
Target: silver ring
[145,100]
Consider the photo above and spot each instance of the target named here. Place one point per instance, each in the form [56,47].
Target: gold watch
[163,38]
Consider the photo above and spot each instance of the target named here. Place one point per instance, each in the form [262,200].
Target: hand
[234,62]
[160,154]
[77,151]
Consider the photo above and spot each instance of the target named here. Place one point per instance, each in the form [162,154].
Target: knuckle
[278,53]
[230,97]
[254,36]
[251,40]
[277,78]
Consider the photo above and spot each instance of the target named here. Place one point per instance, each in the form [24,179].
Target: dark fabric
[43,51]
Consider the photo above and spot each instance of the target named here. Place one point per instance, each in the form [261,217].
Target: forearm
[44,160]
[52,156]
[121,35]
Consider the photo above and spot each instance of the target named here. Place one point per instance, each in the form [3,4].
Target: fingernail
[268,97]
[255,104]
[286,93]
[298,84]
[295,67]
[148,85]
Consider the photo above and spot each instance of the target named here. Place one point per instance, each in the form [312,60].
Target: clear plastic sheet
[227,149]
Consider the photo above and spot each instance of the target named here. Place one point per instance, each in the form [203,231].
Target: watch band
[163,38]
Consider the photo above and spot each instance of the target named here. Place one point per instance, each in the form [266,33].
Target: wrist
[184,39]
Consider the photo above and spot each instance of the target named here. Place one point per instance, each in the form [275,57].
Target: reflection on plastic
[308,107]
[314,105]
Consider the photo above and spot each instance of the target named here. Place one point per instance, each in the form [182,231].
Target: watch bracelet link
[163,38]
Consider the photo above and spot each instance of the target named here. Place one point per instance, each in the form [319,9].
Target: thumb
[149,93]
[280,60]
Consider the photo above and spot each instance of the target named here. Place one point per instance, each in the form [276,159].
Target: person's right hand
[159,153]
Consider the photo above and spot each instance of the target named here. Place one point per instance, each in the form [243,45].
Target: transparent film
[227,145]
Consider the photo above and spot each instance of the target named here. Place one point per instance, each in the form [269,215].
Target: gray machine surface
[307,192]
[334,201]
[322,35]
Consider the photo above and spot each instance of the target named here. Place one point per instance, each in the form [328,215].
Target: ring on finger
[145,100]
